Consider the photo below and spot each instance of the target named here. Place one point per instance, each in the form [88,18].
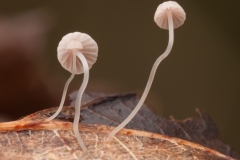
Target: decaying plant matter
[32,137]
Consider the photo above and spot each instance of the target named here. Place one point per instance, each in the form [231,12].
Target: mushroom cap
[77,41]
[178,14]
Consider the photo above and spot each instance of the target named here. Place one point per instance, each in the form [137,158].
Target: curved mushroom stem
[78,103]
[64,92]
[150,80]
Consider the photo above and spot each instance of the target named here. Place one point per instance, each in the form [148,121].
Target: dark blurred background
[202,71]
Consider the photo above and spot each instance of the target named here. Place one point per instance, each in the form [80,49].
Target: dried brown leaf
[32,138]
[55,140]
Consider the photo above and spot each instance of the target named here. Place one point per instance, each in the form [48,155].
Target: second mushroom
[169,15]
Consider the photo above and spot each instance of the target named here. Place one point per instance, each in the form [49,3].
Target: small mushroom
[77,52]
[169,15]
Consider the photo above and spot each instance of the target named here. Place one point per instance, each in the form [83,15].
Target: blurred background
[202,71]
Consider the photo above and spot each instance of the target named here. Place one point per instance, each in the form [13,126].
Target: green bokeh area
[202,71]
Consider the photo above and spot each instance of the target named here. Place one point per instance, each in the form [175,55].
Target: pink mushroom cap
[178,14]
[81,42]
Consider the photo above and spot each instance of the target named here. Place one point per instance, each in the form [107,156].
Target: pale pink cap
[178,14]
[77,41]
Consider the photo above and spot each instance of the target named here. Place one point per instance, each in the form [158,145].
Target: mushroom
[169,15]
[77,52]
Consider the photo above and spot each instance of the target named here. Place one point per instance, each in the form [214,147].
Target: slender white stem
[64,92]
[78,103]
[150,80]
